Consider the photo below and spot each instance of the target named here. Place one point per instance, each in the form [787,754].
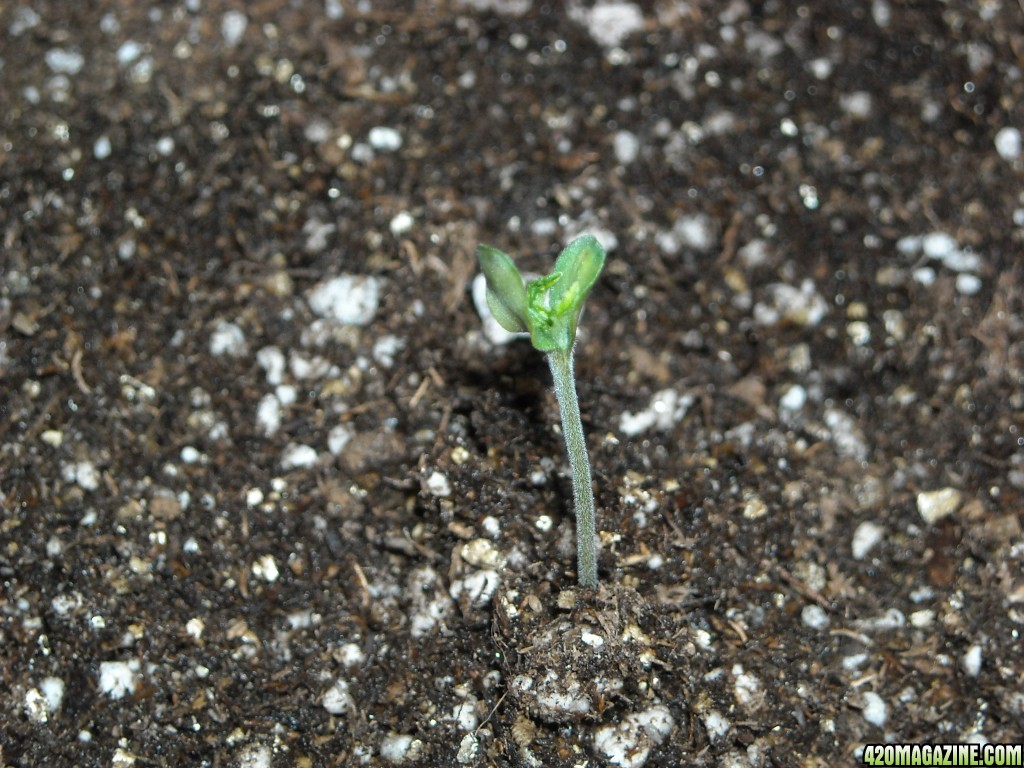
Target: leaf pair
[549,308]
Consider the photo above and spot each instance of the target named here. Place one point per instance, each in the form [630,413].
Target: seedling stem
[549,309]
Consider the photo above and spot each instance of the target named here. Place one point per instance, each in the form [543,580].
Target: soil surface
[274,495]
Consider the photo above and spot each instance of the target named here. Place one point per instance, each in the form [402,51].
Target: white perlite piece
[478,587]
[431,604]
[268,415]
[935,505]
[271,359]
[227,339]
[34,706]
[747,689]
[814,616]
[438,485]
[554,697]
[117,678]
[84,474]
[232,27]
[875,710]
[608,22]
[793,399]
[802,306]
[297,456]
[846,435]
[339,436]
[482,553]
[629,743]
[665,409]
[971,661]
[468,748]
[64,62]
[337,700]
[122,758]
[864,539]
[265,568]
[349,299]
[43,701]
[716,725]
[1008,143]
[401,223]
[626,147]
[383,138]
[255,756]
[399,748]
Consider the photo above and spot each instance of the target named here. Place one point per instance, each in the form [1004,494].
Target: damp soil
[254,516]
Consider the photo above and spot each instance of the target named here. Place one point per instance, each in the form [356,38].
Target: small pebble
[754,508]
[665,409]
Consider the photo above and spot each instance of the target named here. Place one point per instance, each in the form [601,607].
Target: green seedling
[549,310]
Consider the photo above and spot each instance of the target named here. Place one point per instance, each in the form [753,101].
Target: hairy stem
[583,493]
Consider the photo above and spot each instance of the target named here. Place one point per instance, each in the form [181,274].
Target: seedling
[549,310]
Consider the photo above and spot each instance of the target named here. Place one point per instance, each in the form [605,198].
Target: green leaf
[506,292]
[580,263]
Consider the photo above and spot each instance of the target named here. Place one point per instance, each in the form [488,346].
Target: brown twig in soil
[76,372]
[491,713]
[364,585]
